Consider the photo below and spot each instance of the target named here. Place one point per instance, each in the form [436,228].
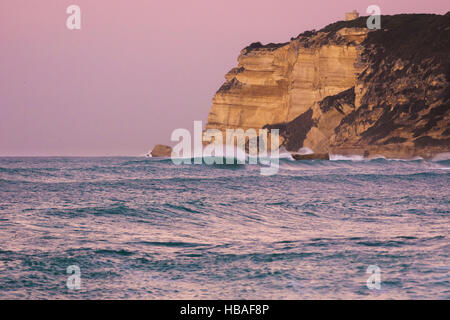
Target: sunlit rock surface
[347,90]
[161,150]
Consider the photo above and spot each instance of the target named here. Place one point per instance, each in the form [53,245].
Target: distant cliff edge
[347,90]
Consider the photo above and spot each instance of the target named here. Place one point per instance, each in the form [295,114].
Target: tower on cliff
[351,15]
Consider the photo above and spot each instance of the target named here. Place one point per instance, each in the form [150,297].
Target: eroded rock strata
[347,90]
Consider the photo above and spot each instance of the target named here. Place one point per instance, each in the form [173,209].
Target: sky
[136,70]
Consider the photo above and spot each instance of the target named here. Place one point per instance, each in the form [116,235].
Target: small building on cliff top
[351,15]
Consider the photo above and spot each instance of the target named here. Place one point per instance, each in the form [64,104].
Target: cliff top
[430,38]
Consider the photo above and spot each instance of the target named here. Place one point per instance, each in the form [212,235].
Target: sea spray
[263,147]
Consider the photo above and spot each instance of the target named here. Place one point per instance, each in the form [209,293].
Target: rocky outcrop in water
[161,150]
[346,89]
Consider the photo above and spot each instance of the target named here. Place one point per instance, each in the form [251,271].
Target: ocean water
[142,228]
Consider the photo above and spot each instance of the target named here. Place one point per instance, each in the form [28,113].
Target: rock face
[161,150]
[276,83]
[314,156]
[347,90]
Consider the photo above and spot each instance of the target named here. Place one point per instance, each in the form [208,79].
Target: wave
[241,157]
[175,244]
[115,209]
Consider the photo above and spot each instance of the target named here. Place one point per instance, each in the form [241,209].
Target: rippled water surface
[142,228]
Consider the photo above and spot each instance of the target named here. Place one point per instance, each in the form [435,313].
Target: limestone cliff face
[276,83]
[346,89]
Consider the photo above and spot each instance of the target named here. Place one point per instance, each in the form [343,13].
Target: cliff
[347,90]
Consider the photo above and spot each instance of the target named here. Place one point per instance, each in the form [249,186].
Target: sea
[146,228]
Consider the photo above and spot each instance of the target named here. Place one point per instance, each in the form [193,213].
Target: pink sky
[137,69]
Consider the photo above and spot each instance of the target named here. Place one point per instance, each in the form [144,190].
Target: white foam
[410,159]
[337,157]
[148,154]
[304,150]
